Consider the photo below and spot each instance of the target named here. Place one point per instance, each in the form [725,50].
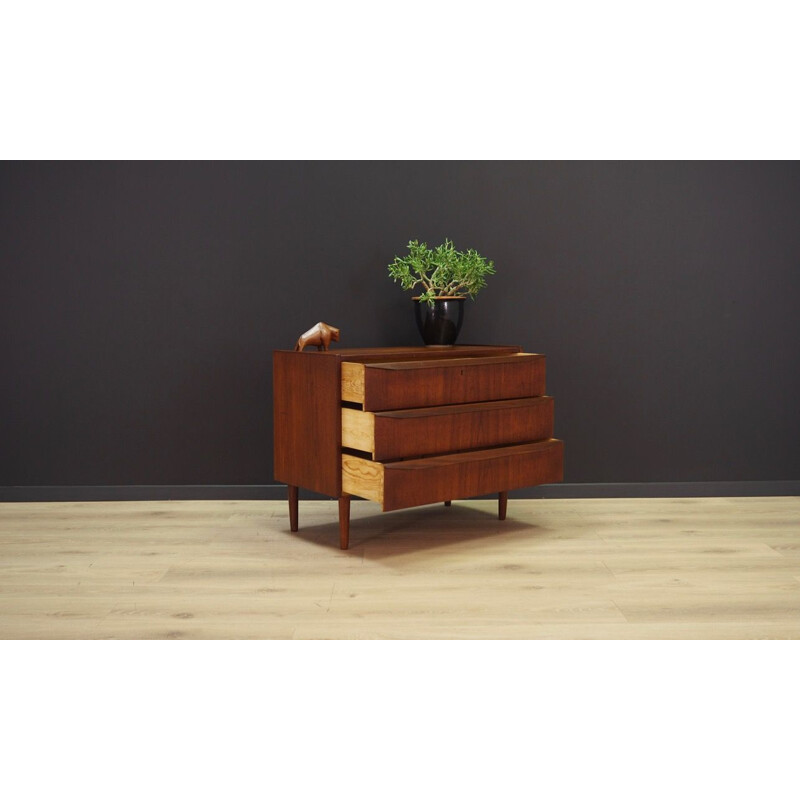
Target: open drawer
[413,384]
[415,432]
[402,484]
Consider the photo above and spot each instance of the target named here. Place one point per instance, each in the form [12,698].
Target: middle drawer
[416,432]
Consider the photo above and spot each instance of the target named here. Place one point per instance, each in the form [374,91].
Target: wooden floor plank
[674,568]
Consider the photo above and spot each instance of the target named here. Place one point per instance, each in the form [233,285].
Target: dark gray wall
[140,303]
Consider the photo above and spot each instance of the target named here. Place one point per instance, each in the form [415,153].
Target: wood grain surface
[471,426]
[362,478]
[420,481]
[428,480]
[688,568]
[352,382]
[358,430]
[307,425]
[396,385]
[417,354]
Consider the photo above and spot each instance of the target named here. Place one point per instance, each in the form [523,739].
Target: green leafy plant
[442,271]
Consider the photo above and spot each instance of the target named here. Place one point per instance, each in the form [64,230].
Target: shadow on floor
[382,535]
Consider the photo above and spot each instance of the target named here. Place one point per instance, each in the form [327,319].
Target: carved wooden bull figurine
[320,335]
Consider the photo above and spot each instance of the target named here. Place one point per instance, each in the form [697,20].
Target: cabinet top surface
[456,360]
[402,353]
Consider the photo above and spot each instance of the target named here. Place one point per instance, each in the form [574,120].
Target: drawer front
[388,386]
[414,432]
[403,484]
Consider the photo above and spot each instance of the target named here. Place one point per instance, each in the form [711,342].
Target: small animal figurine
[320,335]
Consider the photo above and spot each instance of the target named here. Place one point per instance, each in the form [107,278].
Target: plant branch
[441,270]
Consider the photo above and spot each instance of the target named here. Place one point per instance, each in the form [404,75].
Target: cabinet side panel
[307,420]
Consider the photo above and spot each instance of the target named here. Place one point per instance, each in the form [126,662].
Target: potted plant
[448,276]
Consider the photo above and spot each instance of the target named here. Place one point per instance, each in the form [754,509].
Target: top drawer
[386,386]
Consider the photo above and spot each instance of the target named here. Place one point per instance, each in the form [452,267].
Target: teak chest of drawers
[407,426]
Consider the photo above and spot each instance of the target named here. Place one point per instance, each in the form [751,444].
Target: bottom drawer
[402,484]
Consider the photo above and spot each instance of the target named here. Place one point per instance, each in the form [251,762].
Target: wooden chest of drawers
[408,426]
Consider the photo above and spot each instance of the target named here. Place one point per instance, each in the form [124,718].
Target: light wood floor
[710,568]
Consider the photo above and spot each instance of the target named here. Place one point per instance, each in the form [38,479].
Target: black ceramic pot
[440,323]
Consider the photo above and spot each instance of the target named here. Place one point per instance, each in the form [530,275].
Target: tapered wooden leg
[293,507]
[447,502]
[344,521]
[501,505]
